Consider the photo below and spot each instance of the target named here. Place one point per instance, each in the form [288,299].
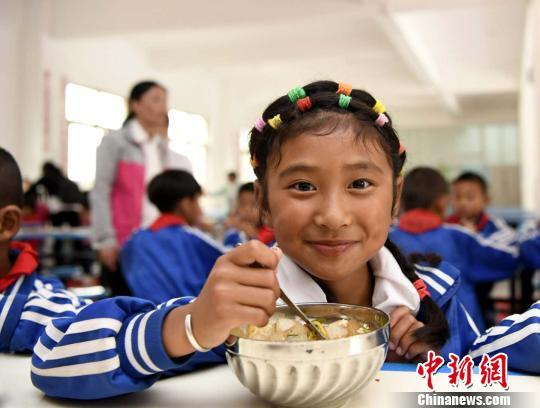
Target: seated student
[170,258]
[518,336]
[120,345]
[245,222]
[529,247]
[421,230]
[469,201]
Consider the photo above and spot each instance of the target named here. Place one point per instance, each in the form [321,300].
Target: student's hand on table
[109,257]
[403,346]
[236,293]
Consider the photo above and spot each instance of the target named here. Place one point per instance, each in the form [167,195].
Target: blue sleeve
[463,330]
[529,251]
[108,348]
[518,336]
[488,260]
[28,306]
[233,237]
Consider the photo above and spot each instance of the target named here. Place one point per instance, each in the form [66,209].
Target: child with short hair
[421,230]
[470,199]
[171,258]
[245,222]
[119,345]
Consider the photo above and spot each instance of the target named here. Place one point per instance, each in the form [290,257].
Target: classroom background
[461,80]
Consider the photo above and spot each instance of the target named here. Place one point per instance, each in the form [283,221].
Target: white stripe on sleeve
[129,347]
[76,370]
[506,341]
[142,345]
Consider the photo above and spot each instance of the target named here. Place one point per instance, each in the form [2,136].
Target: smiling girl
[328,164]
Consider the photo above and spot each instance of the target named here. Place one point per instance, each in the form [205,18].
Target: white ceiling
[417,54]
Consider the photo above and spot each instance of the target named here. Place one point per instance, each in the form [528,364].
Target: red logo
[492,370]
[460,370]
[430,367]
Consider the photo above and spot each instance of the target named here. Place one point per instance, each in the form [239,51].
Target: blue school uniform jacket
[478,259]
[491,227]
[529,247]
[234,237]
[518,336]
[87,350]
[169,259]
[443,283]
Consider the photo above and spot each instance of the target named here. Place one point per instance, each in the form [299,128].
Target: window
[90,114]
[491,149]
[188,135]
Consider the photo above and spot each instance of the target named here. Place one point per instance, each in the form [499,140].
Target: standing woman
[127,160]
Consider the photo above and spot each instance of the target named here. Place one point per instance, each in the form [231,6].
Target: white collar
[139,134]
[392,288]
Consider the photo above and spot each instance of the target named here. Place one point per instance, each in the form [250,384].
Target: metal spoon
[296,310]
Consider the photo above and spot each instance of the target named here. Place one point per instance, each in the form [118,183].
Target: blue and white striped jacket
[173,260]
[529,247]
[89,350]
[518,336]
[478,259]
[443,283]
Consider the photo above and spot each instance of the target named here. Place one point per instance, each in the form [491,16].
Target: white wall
[11,16]
[530,111]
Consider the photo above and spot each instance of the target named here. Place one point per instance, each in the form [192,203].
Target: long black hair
[137,92]
[322,107]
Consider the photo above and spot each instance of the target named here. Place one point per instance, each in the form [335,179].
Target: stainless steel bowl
[320,373]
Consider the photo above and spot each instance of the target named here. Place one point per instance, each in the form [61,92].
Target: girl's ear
[397,201]
[10,222]
[265,216]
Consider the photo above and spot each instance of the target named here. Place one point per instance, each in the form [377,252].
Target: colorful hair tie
[344,89]
[421,288]
[379,107]
[275,122]
[401,148]
[254,162]
[296,93]
[304,104]
[344,101]
[381,120]
[260,124]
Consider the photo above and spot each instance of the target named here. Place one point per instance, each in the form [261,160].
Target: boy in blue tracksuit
[421,230]
[170,258]
[120,345]
[529,247]
[518,336]
[245,222]
[470,199]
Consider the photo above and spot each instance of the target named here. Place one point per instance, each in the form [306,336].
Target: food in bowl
[282,327]
[288,371]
